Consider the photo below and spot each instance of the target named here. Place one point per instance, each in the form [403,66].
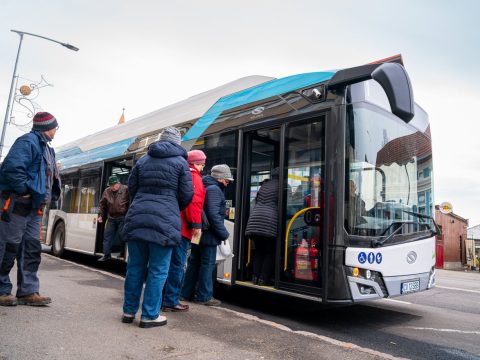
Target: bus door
[261,157]
[300,267]
[122,169]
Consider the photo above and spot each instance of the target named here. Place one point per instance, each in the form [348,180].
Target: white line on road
[398,301]
[444,330]
[327,339]
[458,289]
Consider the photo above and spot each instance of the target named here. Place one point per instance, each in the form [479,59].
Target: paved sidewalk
[83,322]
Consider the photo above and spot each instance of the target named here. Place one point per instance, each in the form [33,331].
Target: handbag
[205,222]
[224,251]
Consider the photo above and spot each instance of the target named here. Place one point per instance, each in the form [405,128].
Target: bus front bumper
[363,289]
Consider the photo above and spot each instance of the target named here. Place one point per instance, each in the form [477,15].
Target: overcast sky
[146,54]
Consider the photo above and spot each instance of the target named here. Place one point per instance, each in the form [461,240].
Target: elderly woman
[191,227]
[160,186]
[201,264]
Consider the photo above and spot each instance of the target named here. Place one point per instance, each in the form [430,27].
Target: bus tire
[58,241]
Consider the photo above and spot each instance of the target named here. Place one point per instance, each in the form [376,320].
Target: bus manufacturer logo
[258,110]
[411,257]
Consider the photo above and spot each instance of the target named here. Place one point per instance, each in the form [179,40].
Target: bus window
[304,171]
[221,149]
[89,196]
[69,195]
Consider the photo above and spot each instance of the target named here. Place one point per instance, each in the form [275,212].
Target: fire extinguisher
[306,261]
[314,260]
[302,268]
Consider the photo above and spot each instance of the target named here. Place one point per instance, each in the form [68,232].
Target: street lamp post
[9,105]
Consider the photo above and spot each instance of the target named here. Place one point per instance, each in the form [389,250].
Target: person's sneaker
[34,299]
[176,308]
[105,258]
[211,302]
[127,318]
[160,321]
[8,300]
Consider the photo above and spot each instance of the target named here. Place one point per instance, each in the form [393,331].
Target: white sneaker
[160,321]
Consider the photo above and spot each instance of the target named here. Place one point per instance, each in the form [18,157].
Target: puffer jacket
[160,186]
[192,215]
[114,204]
[24,170]
[214,208]
[263,220]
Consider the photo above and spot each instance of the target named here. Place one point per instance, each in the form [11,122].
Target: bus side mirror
[391,76]
[395,82]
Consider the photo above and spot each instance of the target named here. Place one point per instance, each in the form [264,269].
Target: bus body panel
[81,232]
[224,268]
[403,259]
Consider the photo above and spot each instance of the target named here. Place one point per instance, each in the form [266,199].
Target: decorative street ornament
[446,207]
[25,90]
[25,97]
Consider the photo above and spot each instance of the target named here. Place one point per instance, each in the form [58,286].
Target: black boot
[105,258]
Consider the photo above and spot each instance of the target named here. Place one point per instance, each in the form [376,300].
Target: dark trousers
[112,228]
[201,265]
[264,257]
[20,240]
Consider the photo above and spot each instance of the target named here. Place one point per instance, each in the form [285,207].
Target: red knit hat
[196,157]
[43,121]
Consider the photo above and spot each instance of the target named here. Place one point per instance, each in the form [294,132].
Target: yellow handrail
[288,231]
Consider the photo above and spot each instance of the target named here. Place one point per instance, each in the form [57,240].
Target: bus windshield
[389,173]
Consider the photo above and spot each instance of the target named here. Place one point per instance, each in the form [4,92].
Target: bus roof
[115,140]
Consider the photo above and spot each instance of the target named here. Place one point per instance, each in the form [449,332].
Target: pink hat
[196,157]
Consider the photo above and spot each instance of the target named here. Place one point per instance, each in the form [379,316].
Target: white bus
[355,159]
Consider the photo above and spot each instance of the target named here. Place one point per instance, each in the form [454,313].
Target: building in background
[451,244]
[473,236]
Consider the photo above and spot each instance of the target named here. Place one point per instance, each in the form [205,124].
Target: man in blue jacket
[28,181]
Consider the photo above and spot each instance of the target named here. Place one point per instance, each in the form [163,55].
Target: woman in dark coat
[202,258]
[262,229]
[160,186]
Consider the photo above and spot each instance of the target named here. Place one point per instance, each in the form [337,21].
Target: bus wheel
[58,243]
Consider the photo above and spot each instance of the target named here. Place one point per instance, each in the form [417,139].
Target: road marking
[345,345]
[445,330]
[458,289]
[86,267]
[398,301]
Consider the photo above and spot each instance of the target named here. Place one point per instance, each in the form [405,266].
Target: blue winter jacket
[160,186]
[24,169]
[214,208]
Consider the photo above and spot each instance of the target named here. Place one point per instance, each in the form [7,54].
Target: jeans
[20,239]
[199,273]
[146,257]
[112,228]
[175,274]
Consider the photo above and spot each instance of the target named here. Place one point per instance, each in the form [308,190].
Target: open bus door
[122,168]
[298,150]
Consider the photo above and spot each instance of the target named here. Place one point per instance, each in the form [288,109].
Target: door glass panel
[262,207]
[304,202]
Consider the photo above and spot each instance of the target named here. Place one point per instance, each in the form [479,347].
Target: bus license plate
[410,286]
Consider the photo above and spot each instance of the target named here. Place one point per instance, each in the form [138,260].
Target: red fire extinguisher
[306,261]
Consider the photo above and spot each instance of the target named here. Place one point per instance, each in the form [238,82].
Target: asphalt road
[442,323]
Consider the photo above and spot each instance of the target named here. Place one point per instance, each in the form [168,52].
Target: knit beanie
[171,134]
[222,172]
[43,121]
[196,157]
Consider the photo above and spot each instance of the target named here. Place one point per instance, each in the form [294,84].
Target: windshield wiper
[435,232]
[378,242]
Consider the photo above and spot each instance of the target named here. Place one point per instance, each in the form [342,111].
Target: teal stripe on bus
[256,93]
